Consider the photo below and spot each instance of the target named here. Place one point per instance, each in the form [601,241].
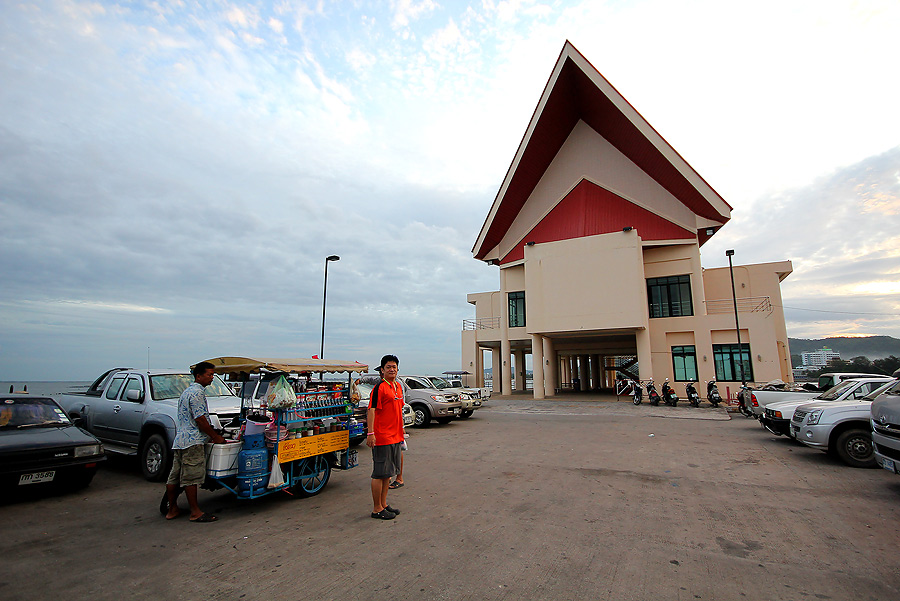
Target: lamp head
[729,253]
[332,258]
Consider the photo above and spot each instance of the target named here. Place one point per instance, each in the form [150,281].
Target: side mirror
[134,395]
[77,421]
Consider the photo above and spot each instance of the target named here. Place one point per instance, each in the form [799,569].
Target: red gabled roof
[590,209]
[576,90]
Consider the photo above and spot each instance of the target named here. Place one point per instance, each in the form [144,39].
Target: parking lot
[526,500]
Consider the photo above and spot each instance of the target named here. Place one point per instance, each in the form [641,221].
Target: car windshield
[889,388]
[836,391]
[440,383]
[170,386]
[31,413]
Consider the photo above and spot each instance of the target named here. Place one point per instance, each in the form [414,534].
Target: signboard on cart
[309,446]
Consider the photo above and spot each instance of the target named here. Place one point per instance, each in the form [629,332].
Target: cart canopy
[227,365]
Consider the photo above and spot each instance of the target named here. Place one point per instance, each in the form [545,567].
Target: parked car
[777,416]
[841,428]
[469,397]
[885,422]
[133,412]
[428,403]
[39,445]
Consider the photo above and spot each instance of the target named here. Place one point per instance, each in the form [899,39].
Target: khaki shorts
[188,466]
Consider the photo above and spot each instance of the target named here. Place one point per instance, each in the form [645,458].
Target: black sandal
[384,514]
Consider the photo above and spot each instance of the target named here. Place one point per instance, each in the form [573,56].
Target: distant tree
[796,360]
[888,365]
[859,364]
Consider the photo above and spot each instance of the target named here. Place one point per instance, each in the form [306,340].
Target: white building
[819,358]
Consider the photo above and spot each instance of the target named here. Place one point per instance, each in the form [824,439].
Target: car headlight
[88,450]
[813,418]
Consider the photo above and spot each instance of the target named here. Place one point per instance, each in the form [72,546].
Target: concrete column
[595,372]
[566,370]
[495,368]
[520,369]
[584,372]
[551,380]
[537,365]
[479,367]
[601,370]
[505,368]
[645,357]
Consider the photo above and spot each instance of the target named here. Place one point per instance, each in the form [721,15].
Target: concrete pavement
[565,499]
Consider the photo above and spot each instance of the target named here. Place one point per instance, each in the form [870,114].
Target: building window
[726,357]
[516,309]
[684,360]
[670,296]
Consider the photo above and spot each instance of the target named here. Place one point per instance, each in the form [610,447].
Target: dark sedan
[39,444]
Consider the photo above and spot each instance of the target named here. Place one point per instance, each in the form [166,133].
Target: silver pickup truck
[133,412]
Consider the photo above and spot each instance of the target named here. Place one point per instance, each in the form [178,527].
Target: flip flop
[395,484]
[205,518]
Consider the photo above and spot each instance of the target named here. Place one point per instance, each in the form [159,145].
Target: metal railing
[483,323]
[750,304]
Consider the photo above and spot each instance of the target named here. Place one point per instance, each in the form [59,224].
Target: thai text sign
[299,448]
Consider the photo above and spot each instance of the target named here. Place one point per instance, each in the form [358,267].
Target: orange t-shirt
[388,426]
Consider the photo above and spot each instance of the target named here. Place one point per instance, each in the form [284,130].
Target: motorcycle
[692,395]
[668,395]
[745,398]
[636,393]
[712,393]
[652,395]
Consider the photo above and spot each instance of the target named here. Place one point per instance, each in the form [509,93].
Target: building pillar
[595,372]
[505,371]
[537,365]
[520,369]
[495,371]
[584,373]
[645,357]
[551,381]
[479,367]
[601,370]
[566,370]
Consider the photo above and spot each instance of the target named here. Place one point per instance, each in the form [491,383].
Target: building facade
[819,358]
[596,230]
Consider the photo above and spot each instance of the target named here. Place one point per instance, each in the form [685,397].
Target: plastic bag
[281,395]
[276,478]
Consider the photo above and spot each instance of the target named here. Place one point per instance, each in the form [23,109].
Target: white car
[886,428]
[776,417]
[842,428]
[365,390]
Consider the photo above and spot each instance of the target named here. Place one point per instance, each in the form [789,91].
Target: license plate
[455,410]
[889,465]
[36,478]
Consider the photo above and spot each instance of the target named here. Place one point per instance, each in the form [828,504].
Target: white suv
[840,428]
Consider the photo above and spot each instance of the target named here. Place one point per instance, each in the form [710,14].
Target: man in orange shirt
[384,418]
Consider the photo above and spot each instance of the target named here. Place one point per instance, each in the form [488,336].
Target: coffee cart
[305,441]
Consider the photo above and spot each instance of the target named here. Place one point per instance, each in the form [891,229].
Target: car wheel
[423,419]
[354,442]
[854,447]
[466,414]
[156,458]
[314,473]
[444,420]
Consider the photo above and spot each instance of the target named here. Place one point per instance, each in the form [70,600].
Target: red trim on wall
[589,210]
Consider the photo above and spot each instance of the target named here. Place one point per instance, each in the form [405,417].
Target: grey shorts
[188,466]
[385,461]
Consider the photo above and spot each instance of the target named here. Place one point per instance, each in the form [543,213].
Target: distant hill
[873,347]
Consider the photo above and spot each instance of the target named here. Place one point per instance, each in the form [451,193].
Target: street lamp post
[737,325]
[328,259]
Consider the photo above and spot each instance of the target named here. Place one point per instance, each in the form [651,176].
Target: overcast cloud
[172,175]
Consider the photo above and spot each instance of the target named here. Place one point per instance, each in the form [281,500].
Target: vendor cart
[305,441]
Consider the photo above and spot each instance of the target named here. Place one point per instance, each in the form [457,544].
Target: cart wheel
[314,473]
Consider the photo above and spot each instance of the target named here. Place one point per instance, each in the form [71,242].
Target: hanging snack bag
[281,395]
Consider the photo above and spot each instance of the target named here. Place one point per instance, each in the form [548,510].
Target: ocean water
[44,388]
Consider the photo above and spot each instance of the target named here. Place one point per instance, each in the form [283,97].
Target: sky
[174,173]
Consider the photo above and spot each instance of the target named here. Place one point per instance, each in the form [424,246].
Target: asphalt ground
[562,499]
